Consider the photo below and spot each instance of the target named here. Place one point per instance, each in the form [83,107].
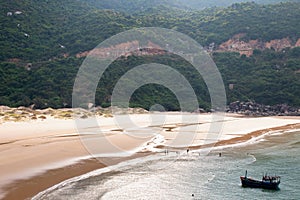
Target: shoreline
[36,155]
[27,188]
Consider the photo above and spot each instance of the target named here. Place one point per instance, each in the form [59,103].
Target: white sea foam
[253,140]
[253,157]
[148,146]
[292,131]
[98,172]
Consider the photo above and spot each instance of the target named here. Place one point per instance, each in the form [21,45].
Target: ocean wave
[253,158]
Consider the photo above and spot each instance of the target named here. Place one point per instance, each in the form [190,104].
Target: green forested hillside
[200,4]
[218,25]
[139,6]
[47,29]
[51,29]
[267,77]
[47,35]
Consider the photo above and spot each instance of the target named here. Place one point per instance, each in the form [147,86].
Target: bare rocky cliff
[237,44]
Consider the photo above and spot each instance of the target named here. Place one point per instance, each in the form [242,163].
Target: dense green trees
[47,86]
[49,29]
[266,77]
[47,35]
[139,6]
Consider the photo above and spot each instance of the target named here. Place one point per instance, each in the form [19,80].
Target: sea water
[195,176]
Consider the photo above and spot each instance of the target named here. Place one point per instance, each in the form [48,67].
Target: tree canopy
[40,41]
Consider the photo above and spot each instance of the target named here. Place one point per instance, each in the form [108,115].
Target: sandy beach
[38,153]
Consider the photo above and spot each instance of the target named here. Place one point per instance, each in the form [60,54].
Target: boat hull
[248,182]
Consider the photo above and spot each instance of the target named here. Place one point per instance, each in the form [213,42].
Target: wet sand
[23,189]
[27,147]
[27,188]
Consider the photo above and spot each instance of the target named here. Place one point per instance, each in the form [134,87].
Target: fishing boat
[267,182]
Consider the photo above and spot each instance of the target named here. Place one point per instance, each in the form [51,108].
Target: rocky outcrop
[279,45]
[116,50]
[251,108]
[124,49]
[237,44]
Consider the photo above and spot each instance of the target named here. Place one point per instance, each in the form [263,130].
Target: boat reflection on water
[267,182]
